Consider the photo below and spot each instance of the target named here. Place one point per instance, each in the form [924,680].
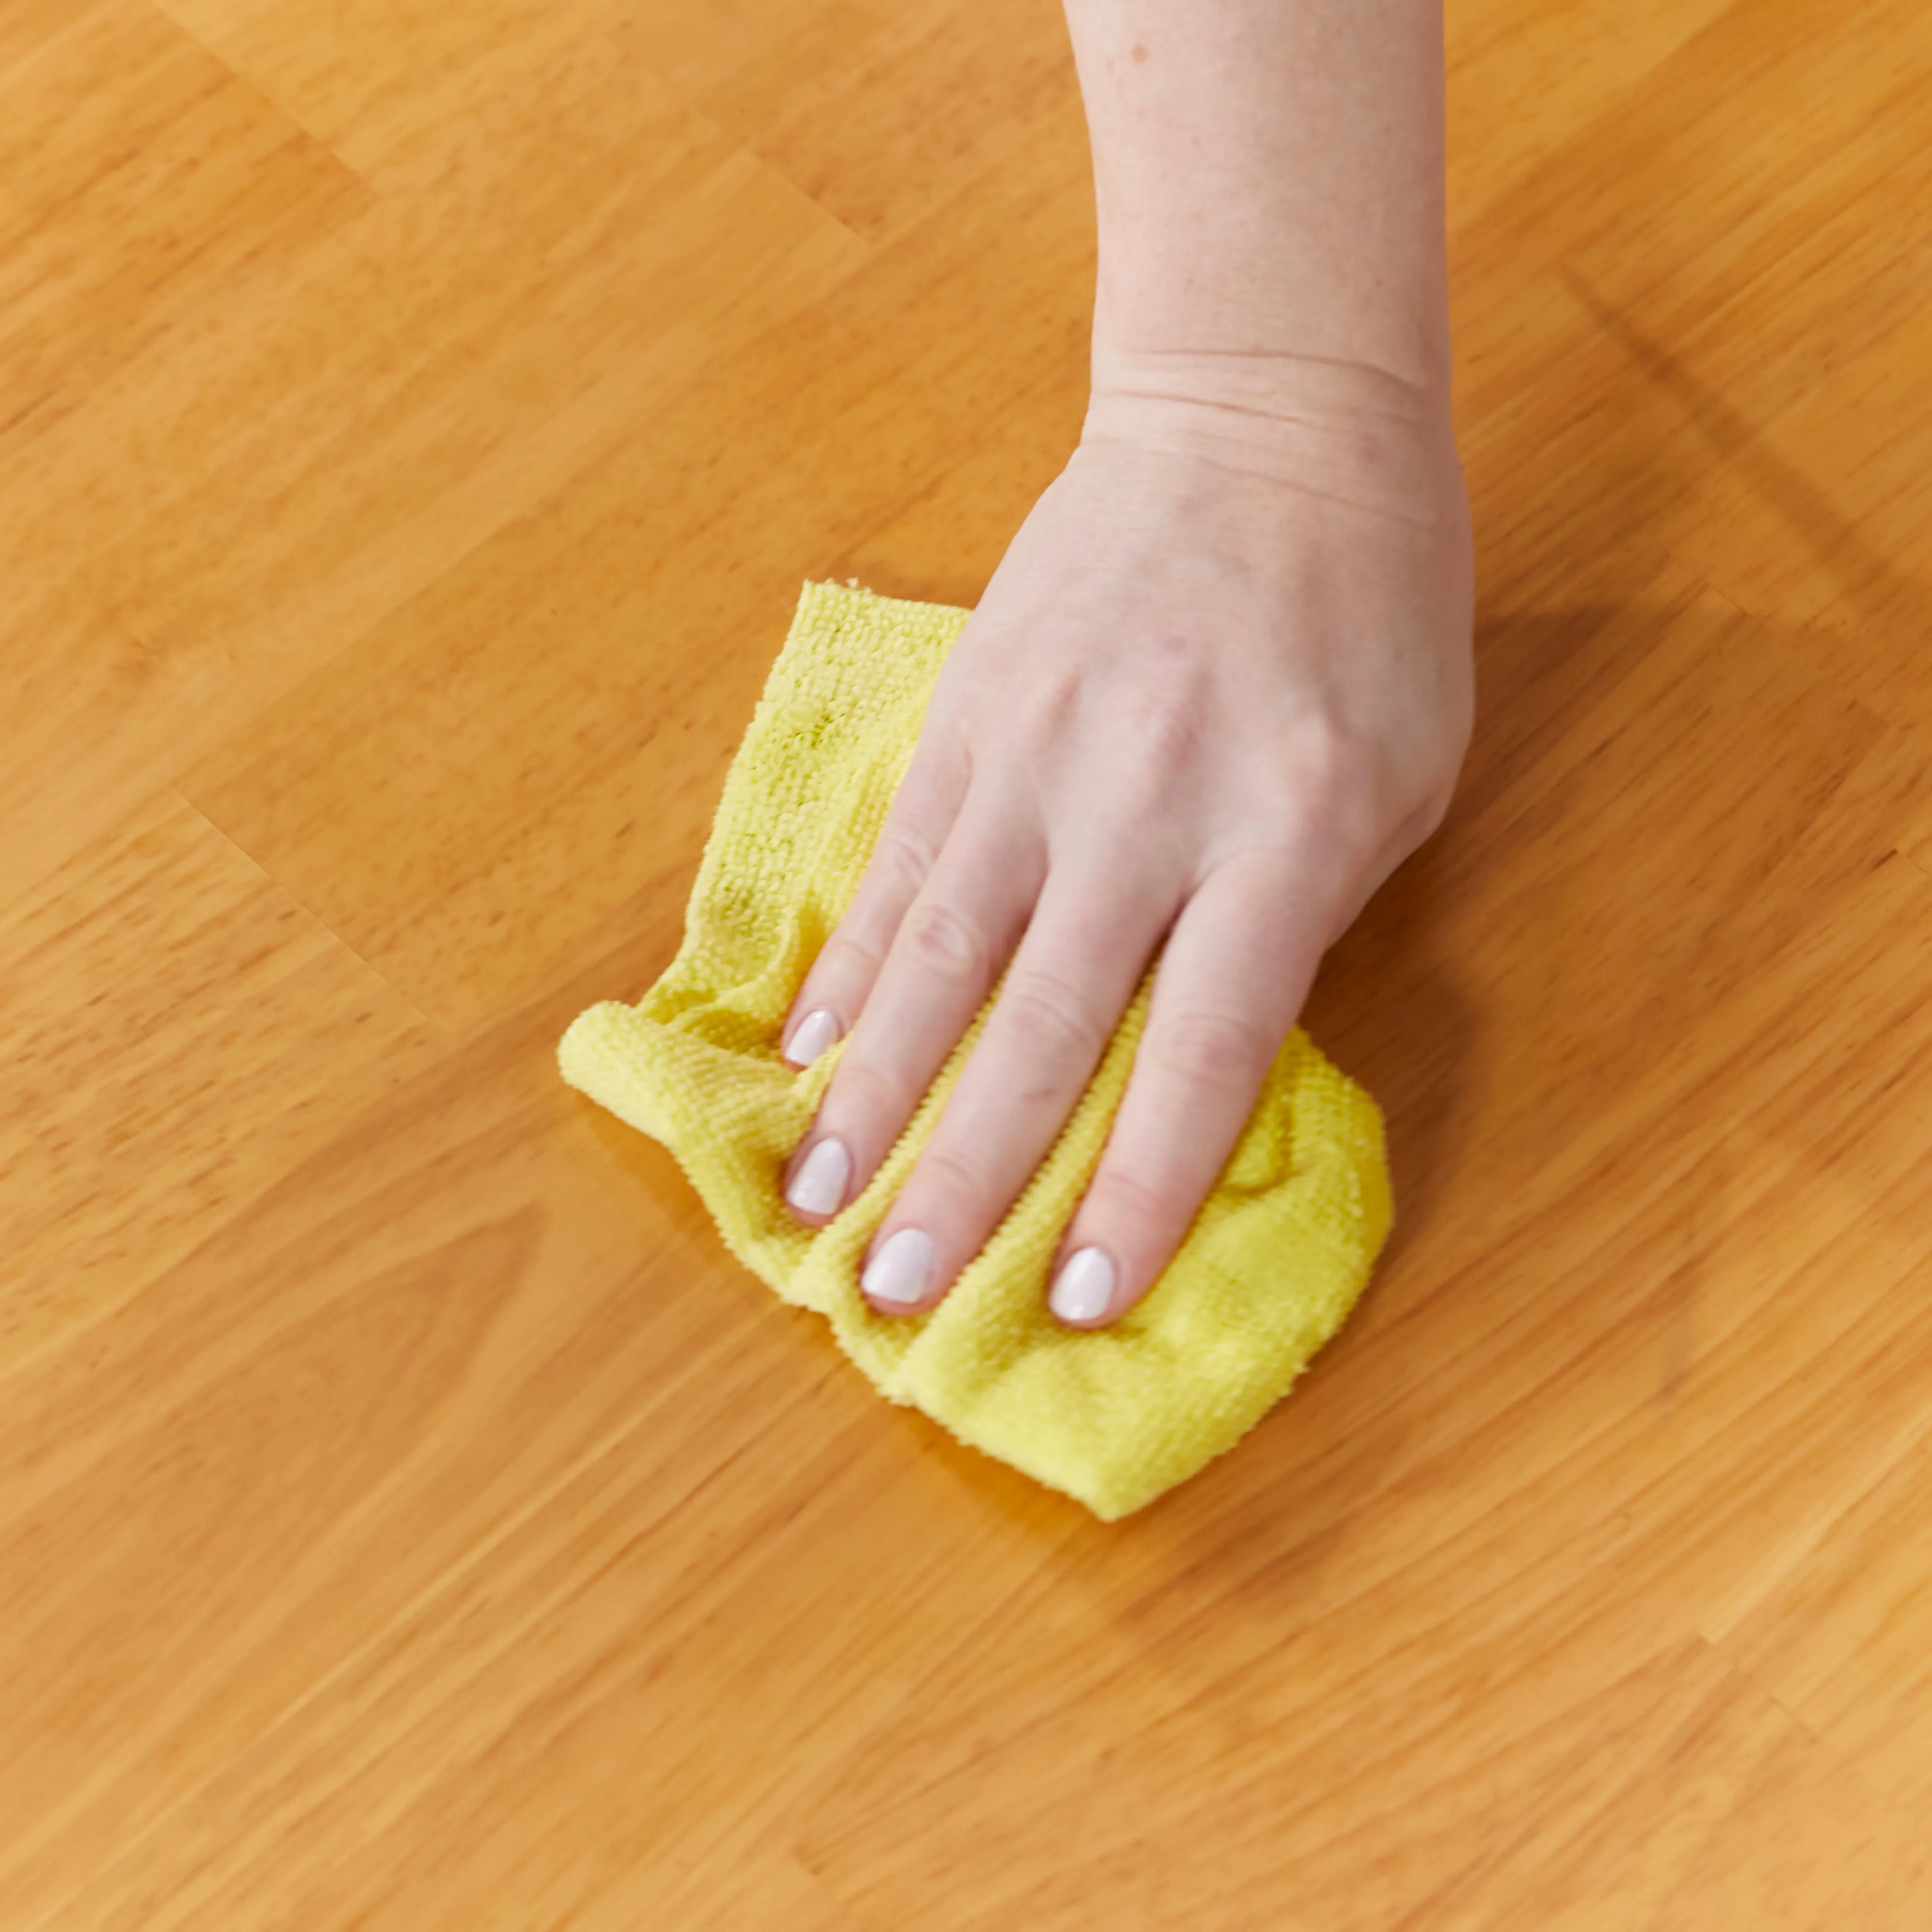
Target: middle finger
[1083,954]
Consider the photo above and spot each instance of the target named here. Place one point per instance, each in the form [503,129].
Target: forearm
[1269,181]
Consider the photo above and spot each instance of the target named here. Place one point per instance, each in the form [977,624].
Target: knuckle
[1050,1024]
[870,1092]
[1325,765]
[1168,736]
[844,957]
[946,1172]
[1159,744]
[1330,792]
[1208,1049]
[1121,1196]
[903,858]
[942,942]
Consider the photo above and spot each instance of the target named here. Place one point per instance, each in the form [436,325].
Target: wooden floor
[416,421]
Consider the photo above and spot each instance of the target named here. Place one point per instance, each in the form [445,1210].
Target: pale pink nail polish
[902,1270]
[819,1185]
[812,1035]
[1085,1287]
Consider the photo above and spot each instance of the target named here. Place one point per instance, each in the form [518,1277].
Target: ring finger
[1072,977]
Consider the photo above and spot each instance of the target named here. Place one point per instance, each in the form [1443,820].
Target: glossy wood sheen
[417,420]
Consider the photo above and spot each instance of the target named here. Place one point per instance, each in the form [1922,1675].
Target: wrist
[1351,430]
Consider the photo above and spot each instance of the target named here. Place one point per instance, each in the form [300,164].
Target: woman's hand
[1218,687]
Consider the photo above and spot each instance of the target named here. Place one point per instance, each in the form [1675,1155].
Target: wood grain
[417,422]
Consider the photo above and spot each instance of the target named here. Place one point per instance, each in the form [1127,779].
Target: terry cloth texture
[1270,1268]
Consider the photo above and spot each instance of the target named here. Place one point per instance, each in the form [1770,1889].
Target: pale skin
[1221,684]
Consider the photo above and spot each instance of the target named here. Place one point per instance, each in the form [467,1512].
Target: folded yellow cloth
[1271,1266]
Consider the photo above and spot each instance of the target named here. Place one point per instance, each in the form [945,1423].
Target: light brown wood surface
[416,420]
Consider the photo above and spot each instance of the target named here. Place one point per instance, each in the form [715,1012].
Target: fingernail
[812,1035]
[900,1269]
[819,1185]
[1084,1287]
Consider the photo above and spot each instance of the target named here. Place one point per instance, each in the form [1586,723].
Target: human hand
[1213,699]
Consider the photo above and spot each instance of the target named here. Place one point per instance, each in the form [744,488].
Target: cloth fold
[1270,1268]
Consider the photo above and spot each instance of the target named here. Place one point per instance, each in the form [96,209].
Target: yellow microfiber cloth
[1270,1268]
